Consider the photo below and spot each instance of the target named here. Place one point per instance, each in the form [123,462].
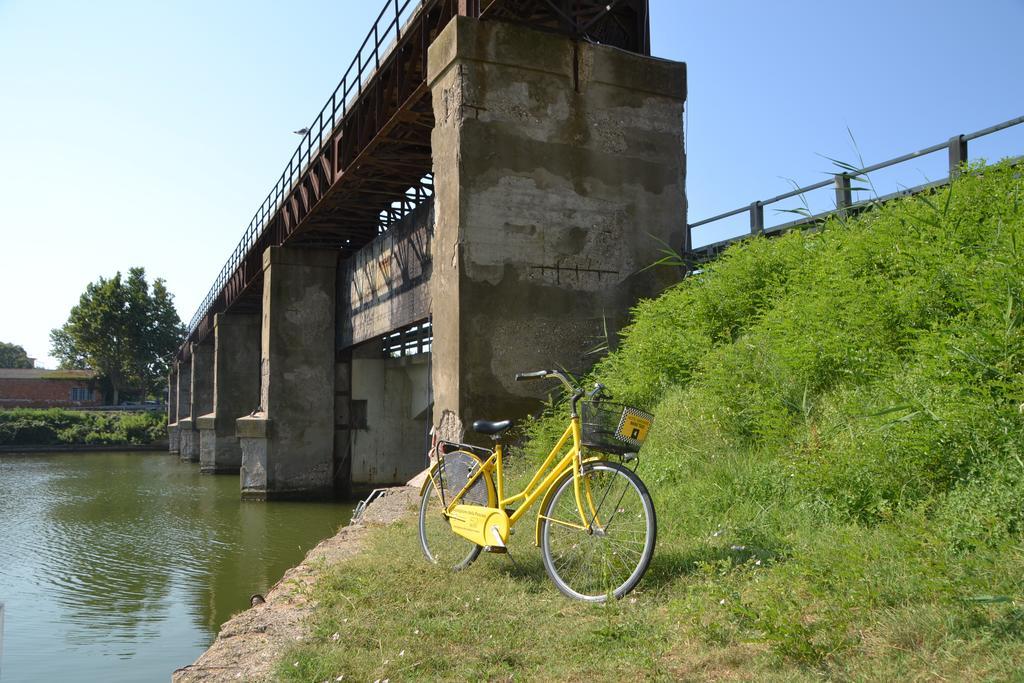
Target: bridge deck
[365,161]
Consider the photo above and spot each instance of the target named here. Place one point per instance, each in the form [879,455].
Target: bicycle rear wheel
[610,556]
[441,545]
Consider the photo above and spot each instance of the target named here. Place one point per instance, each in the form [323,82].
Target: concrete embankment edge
[250,643]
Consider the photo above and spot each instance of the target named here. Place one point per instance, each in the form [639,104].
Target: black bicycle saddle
[492,428]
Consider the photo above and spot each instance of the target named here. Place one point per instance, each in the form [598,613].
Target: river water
[123,566]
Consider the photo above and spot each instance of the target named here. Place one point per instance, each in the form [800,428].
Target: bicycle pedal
[497,549]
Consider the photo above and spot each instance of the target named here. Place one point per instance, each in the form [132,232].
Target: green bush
[30,427]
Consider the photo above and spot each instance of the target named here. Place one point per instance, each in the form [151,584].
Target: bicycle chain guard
[482,525]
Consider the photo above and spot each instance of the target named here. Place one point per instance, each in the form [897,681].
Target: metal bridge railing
[956,146]
[385,33]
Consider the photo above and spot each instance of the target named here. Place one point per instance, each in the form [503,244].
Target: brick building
[38,388]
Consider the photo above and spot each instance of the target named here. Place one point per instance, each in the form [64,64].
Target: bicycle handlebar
[577,393]
[536,374]
[548,374]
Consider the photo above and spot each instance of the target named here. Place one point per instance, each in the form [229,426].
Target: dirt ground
[250,643]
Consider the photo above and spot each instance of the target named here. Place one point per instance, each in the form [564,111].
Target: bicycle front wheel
[441,545]
[610,553]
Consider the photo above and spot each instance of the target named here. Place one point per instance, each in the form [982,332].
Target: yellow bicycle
[596,526]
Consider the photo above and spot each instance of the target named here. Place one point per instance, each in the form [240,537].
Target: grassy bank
[56,427]
[837,463]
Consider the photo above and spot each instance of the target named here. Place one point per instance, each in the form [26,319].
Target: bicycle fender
[550,492]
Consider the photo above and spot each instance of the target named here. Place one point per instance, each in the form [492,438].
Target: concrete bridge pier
[183,427]
[172,409]
[200,399]
[288,447]
[236,391]
[558,177]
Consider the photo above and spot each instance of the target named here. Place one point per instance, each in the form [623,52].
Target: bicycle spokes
[607,557]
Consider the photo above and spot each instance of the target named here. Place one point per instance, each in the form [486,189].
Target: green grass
[837,464]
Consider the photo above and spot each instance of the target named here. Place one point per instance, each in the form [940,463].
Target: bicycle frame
[541,483]
[595,526]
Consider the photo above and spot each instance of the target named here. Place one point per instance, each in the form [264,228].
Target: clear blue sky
[145,133]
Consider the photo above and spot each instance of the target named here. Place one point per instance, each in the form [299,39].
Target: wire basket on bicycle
[613,427]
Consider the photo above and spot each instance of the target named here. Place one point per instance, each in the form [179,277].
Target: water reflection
[122,566]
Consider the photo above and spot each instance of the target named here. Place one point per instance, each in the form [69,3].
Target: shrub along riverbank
[837,464]
[56,427]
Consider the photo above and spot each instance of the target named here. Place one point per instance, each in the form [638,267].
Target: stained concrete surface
[558,177]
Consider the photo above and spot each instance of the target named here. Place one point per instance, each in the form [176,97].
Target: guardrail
[375,48]
[957,150]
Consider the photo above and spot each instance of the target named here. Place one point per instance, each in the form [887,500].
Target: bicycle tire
[610,560]
[440,545]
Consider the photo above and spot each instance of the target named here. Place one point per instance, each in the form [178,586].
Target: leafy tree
[13,356]
[124,330]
